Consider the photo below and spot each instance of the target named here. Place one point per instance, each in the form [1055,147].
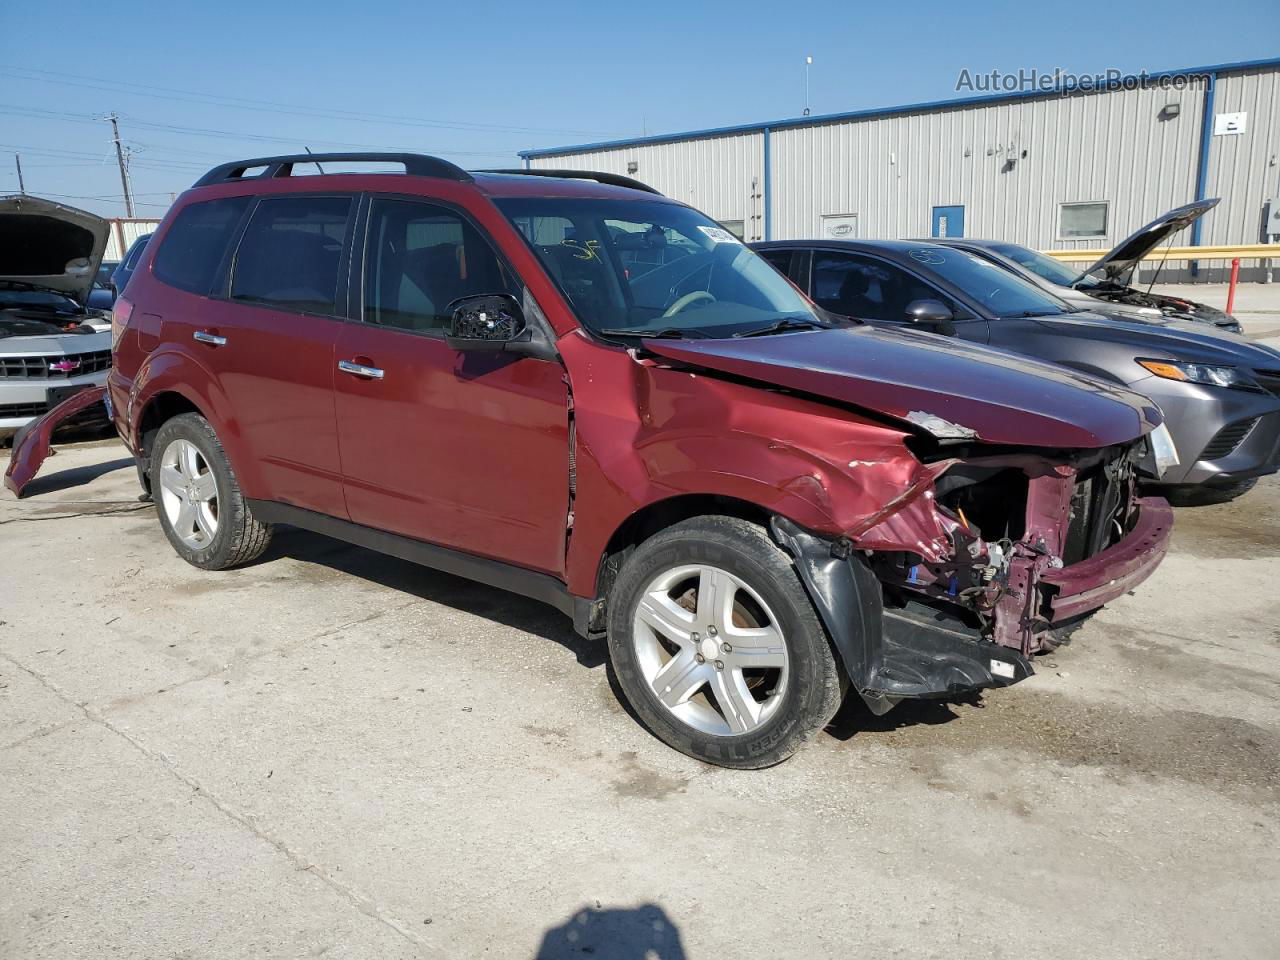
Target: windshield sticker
[932,257]
[583,251]
[719,235]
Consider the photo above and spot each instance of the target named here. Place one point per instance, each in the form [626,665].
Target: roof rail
[415,164]
[612,179]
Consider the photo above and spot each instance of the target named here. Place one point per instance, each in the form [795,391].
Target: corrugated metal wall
[123,232]
[721,176]
[1244,169]
[1009,164]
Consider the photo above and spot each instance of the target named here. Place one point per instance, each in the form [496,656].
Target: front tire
[717,647]
[199,502]
[1204,495]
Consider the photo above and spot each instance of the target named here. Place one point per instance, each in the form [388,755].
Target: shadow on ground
[53,480]
[478,599]
[636,933]
[855,717]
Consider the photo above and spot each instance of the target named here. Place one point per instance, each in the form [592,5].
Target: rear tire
[746,681]
[201,508]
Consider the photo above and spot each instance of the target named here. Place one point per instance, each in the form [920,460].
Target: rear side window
[192,249]
[289,254]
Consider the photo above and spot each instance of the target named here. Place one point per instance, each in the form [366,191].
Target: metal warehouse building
[1050,170]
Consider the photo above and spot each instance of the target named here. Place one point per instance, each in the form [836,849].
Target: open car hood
[1126,254]
[50,245]
[945,387]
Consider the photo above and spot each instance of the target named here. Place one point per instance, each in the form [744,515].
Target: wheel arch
[653,518]
[172,382]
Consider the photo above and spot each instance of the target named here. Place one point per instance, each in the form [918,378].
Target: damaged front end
[984,560]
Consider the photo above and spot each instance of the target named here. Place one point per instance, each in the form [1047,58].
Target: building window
[734,227]
[1078,221]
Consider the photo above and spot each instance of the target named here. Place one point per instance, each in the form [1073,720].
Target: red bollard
[1231,291]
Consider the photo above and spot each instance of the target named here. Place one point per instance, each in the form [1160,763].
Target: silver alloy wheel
[189,494]
[710,649]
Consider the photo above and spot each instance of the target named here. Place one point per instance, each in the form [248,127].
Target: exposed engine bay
[30,323]
[1173,307]
[1005,523]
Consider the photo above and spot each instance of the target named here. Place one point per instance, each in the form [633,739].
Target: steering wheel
[686,300]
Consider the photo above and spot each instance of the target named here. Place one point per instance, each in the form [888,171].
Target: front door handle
[210,338]
[359,370]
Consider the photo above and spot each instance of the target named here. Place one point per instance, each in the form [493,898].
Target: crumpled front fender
[31,445]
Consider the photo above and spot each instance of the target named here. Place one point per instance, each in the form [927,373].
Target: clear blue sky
[195,84]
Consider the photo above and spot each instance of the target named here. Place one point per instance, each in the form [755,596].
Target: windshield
[644,267]
[1039,264]
[1000,292]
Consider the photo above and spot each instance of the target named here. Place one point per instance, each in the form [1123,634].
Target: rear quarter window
[192,249]
[290,252]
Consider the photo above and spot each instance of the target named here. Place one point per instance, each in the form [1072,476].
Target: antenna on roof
[318,167]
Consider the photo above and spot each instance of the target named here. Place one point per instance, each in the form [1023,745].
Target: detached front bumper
[31,444]
[1087,585]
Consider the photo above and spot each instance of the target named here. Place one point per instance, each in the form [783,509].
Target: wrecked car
[568,386]
[51,344]
[1219,392]
[1107,286]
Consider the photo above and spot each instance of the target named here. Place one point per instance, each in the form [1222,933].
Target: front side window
[1078,221]
[420,258]
[643,267]
[869,289]
[1001,293]
[193,247]
[289,254]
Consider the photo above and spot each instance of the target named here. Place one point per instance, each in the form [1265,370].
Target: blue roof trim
[1218,68]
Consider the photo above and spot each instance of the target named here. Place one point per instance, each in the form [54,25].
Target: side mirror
[932,315]
[486,322]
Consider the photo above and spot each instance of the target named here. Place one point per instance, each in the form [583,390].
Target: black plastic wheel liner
[891,657]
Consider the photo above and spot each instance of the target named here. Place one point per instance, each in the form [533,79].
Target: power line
[206,132]
[270,106]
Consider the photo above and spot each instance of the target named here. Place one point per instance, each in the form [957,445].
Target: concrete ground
[333,753]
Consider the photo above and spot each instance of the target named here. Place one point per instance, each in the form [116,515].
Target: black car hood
[1163,338]
[49,245]
[1126,254]
[946,387]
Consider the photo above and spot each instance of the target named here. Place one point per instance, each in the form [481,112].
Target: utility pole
[22,187]
[124,177]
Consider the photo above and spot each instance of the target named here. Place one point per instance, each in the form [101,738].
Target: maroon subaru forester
[569,386]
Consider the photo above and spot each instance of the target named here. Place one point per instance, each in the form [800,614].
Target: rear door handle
[210,338]
[359,370]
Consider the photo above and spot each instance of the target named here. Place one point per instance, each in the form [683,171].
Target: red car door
[272,344]
[467,450]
